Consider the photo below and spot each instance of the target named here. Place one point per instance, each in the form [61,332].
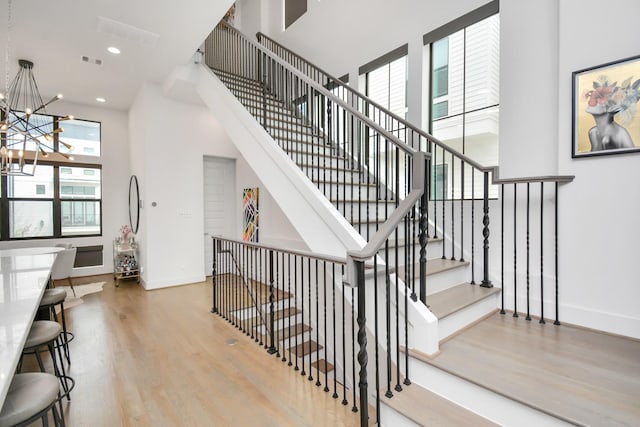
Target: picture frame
[606,109]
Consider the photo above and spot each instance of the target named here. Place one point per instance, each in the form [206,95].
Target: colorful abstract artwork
[251,214]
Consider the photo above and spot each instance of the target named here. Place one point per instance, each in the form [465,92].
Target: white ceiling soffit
[154,36]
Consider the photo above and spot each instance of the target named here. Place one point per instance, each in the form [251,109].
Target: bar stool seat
[42,332]
[48,332]
[53,296]
[50,299]
[30,397]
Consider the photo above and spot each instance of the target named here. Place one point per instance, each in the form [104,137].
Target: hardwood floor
[585,377]
[160,358]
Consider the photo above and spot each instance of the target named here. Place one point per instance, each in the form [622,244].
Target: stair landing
[581,376]
[428,409]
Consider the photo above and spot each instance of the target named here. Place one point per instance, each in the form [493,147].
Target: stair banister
[360,99]
[356,263]
[317,87]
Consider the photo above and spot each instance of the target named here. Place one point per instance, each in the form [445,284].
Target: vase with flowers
[126,235]
[606,102]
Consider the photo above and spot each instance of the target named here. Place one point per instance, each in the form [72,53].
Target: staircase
[337,154]
[452,298]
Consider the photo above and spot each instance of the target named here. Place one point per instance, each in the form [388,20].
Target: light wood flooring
[160,358]
[585,377]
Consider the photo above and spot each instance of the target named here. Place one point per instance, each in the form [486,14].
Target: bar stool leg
[65,334]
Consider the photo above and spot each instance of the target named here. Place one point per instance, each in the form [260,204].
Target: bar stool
[48,332]
[50,299]
[30,397]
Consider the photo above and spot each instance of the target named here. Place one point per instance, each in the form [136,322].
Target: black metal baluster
[515,252]
[272,347]
[376,335]
[262,268]
[435,192]
[295,275]
[335,330]
[557,321]
[398,387]
[423,224]
[242,314]
[214,303]
[324,303]
[288,309]
[344,346]
[473,228]
[362,344]
[387,274]
[406,310]
[502,197]
[254,319]
[486,283]
[310,320]
[462,210]
[353,342]
[453,214]
[278,333]
[317,329]
[542,321]
[302,372]
[528,317]
[444,226]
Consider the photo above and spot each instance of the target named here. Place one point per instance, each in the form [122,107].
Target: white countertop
[24,274]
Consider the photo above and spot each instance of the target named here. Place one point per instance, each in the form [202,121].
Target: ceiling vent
[92,60]
[127,32]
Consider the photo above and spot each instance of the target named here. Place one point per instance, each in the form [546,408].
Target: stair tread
[449,301]
[322,365]
[305,348]
[289,331]
[437,265]
[427,408]
[279,314]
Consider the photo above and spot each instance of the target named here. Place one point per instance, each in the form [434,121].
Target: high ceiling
[153,35]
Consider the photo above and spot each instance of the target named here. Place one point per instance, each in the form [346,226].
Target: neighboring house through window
[464,89]
[63,198]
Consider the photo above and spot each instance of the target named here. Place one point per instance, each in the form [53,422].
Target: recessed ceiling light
[101,100]
[114,50]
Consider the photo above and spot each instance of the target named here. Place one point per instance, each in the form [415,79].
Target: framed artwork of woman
[605,109]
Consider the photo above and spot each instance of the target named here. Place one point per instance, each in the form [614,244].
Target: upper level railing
[453,176]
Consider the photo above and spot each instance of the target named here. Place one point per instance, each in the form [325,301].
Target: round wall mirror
[134,204]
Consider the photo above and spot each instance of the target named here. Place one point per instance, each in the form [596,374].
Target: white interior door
[219,203]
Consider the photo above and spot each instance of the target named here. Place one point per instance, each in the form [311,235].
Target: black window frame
[56,200]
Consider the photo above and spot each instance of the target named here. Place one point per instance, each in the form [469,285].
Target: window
[386,83]
[61,199]
[82,135]
[464,80]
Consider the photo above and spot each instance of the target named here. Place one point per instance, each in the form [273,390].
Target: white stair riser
[328,160]
[315,152]
[465,317]
[347,190]
[324,174]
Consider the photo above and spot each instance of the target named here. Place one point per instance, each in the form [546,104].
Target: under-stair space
[246,304]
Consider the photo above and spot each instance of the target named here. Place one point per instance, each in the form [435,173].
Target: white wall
[169,140]
[600,235]
[115,182]
[541,44]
